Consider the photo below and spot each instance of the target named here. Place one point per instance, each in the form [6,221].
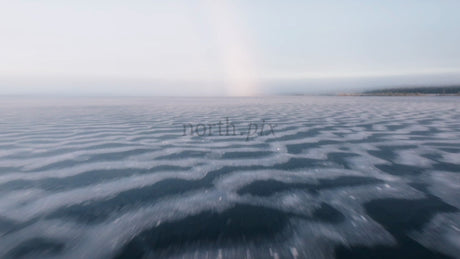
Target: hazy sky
[184,47]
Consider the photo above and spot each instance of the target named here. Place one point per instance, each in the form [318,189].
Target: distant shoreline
[395,94]
[410,91]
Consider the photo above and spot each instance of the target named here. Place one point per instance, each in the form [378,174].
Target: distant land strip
[410,91]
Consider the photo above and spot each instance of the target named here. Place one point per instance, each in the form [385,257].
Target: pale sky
[212,47]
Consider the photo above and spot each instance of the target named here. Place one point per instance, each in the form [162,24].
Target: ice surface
[96,178]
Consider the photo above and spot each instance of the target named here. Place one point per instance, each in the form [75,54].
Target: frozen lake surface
[274,177]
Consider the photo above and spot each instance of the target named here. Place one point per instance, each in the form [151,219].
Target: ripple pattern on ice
[339,177]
